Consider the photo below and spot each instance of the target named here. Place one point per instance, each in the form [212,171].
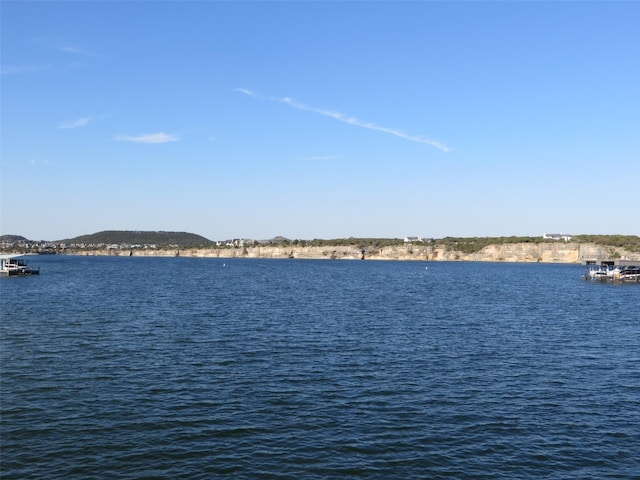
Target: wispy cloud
[148,138]
[251,94]
[63,46]
[50,43]
[341,117]
[19,69]
[80,122]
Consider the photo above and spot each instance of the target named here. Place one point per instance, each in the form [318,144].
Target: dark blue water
[127,368]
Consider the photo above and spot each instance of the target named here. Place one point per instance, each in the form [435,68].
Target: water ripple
[311,369]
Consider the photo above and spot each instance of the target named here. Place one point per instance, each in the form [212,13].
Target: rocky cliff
[508,252]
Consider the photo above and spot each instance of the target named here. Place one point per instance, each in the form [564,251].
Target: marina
[13,265]
[609,272]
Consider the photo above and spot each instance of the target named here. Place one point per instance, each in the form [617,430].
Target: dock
[612,271]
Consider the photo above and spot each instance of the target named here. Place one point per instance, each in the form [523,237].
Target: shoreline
[569,253]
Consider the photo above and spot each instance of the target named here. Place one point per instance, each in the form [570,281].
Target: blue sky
[320,119]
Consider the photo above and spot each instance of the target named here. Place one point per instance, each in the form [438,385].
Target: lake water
[123,368]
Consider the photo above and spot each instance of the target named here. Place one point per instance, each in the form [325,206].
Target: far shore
[570,253]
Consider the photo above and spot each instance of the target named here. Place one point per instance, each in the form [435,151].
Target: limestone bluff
[571,253]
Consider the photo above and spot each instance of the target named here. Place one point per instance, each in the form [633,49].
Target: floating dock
[608,271]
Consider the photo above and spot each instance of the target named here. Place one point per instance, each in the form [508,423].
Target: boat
[12,265]
[598,274]
[630,274]
[603,273]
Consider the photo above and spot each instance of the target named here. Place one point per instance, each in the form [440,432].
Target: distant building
[236,242]
[556,236]
[412,239]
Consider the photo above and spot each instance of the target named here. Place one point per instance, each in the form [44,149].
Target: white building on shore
[557,236]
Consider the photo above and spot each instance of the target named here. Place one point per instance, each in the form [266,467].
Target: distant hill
[13,239]
[119,237]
